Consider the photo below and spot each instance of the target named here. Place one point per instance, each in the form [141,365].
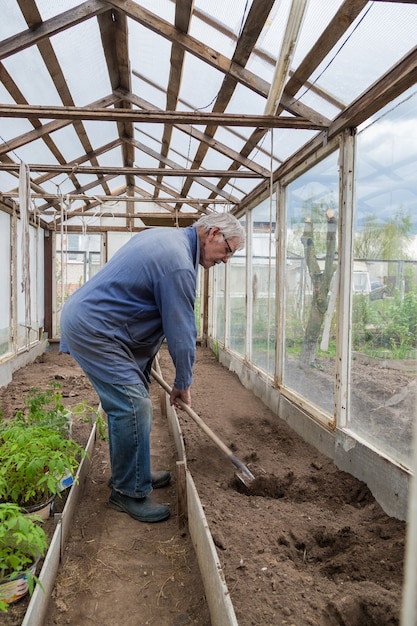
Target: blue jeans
[129,417]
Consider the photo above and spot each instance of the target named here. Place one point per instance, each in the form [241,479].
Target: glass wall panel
[21,315]
[5,285]
[384,318]
[310,290]
[40,278]
[198,300]
[218,302]
[33,331]
[27,285]
[236,336]
[77,259]
[262,293]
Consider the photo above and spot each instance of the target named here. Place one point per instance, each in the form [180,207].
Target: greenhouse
[123,119]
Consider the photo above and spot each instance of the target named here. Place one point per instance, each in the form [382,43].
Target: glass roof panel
[261,66]
[119,182]
[68,143]
[200,84]
[176,182]
[233,12]
[144,185]
[15,22]
[381,35]
[82,62]
[36,152]
[50,185]
[83,179]
[239,186]
[270,40]
[50,8]
[265,150]
[100,133]
[142,159]
[183,145]
[149,56]
[154,97]
[246,102]
[215,35]
[163,8]
[150,135]
[13,127]
[178,160]
[8,180]
[5,96]
[216,161]
[23,67]
[318,14]
[287,141]
[311,99]
[111,158]
[234,137]
[198,191]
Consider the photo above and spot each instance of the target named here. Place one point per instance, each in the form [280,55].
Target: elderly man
[114,325]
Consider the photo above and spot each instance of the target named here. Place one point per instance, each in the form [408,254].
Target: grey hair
[229,226]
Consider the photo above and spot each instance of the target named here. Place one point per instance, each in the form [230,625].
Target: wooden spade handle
[198,420]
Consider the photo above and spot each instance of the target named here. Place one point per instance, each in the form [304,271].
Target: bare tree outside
[320,280]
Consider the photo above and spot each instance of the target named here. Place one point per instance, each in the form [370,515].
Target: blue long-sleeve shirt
[115,323]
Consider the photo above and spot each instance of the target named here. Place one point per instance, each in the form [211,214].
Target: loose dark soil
[307,545]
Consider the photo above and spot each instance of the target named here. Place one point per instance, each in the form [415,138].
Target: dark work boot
[160,479]
[141,509]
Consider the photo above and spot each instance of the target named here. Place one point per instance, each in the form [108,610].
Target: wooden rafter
[106,114]
[183,12]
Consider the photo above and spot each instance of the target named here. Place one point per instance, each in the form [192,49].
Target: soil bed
[307,546]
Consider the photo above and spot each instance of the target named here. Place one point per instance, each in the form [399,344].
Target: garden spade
[244,475]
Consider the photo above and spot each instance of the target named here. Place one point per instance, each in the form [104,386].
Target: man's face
[216,249]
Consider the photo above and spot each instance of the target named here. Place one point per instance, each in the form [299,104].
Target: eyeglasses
[231,253]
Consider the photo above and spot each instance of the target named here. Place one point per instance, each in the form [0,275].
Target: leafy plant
[216,349]
[401,326]
[22,542]
[387,239]
[45,408]
[87,414]
[387,327]
[33,460]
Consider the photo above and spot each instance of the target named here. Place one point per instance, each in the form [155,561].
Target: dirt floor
[307,546]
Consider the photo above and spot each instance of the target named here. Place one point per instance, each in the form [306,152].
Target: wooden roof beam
[45,129]
[107,114]
[114,36]
[183,12]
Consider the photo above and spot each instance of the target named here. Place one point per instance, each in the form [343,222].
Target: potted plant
[22,543]
[34,460]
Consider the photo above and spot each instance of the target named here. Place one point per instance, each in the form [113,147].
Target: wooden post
[48,289]
[181,495]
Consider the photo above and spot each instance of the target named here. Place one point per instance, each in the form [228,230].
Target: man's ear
[214,231]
